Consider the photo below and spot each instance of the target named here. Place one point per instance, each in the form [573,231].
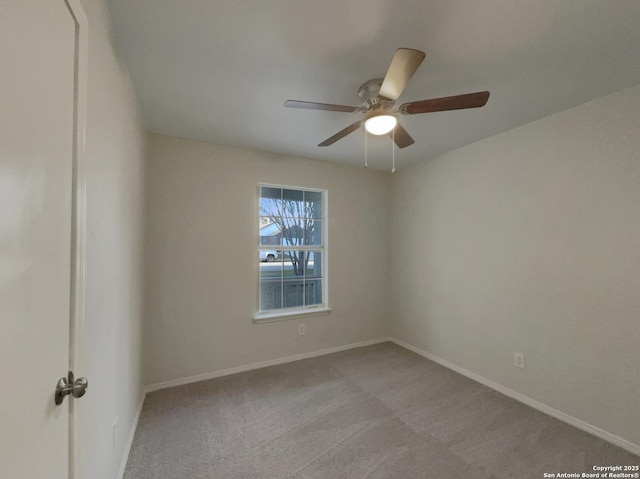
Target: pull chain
[365,150]
[393,150]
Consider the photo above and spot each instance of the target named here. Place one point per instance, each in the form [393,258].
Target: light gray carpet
[374,412]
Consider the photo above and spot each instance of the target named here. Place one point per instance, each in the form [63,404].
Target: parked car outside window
[268,256]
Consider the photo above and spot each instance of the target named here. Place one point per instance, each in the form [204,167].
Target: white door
[37,66]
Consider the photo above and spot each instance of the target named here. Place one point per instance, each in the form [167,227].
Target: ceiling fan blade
[309,105]
[404,64]
[458,102]
[341,134]
[401,137]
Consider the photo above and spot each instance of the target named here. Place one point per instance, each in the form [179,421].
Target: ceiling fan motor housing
[368,93]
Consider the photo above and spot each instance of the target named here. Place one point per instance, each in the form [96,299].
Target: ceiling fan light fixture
[380,124]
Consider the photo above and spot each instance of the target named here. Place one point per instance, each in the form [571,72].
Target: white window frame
[299,311]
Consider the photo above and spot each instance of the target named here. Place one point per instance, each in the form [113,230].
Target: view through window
[291,249]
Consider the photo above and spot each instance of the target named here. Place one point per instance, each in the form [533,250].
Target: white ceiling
[220,70]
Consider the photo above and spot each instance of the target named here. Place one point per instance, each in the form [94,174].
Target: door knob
[76,387]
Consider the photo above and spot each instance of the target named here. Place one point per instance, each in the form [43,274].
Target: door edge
[77,361]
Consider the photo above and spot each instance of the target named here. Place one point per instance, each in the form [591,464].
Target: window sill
[283,316]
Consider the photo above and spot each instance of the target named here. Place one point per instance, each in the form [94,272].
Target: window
[292,251]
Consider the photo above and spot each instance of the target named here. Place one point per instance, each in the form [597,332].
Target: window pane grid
[291,221]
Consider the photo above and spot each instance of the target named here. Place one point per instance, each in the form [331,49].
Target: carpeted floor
[373,412]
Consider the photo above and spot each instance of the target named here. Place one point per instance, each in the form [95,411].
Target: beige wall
[530,241]
[201,258]
[114,170]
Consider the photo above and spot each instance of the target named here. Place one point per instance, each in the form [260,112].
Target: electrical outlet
[301,329]
[115,433]
[518,360]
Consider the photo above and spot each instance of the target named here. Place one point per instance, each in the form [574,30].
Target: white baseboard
[260,365]
[585,426]
[132,433]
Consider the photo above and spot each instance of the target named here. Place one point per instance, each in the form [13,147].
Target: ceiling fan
[379,96]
